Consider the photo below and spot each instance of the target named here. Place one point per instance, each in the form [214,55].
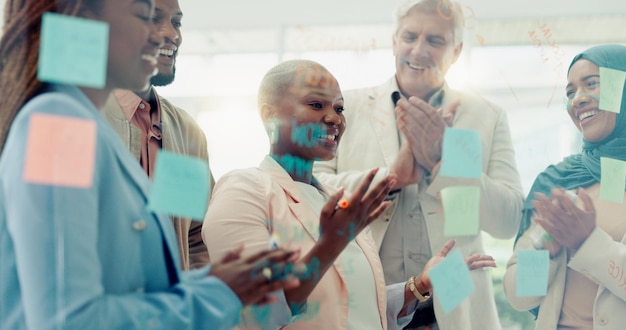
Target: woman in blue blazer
[91,255]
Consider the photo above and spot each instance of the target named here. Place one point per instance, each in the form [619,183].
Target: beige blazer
[249,205]
[182,135]
[371,140]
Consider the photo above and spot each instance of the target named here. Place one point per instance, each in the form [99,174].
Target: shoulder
[249,179]
[179,115]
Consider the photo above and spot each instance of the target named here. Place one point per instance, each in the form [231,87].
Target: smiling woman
[587,237]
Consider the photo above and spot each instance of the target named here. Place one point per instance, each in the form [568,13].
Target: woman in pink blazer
[281,203]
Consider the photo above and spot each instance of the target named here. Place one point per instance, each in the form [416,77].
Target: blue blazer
[87,258]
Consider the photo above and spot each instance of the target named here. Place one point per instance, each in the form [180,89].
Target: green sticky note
[73,51]
[461,153]
[611,89]
[451,281]
[460,210]
[532,273]
[612,179]
[181,186]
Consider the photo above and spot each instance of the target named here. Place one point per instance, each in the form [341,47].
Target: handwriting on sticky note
[73,51]
[60,151]
[461,154]
[532,272]
[611,89]
[612,179]
[181,186]
[617,273]
[451,281]
[460,210]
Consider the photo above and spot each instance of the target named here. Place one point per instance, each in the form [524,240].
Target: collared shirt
[141,115]
[405,250]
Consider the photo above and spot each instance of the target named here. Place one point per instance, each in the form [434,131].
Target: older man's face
[424,49]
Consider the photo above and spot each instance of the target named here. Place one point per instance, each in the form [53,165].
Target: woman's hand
[569,225]
[339,225]
[474,261]
[248,278]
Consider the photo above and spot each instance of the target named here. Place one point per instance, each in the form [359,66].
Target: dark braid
[19,51]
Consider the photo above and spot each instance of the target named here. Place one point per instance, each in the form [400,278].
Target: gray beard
[163,79]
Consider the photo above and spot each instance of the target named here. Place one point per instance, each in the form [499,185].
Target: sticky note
[460,210]
[532,272]
[451,281]
[611,89]
[60,151]
[612,179]
[180,186]
[461,153]
[73,50]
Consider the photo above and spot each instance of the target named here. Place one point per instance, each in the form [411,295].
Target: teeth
[586,115]
[150,58]
[166,52]
[416,67]
[330,137]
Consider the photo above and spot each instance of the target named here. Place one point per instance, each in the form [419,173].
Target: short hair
[277,81]
[448,10]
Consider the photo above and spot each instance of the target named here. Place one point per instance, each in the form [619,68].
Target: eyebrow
[159,10]
[147,2]
[585,78]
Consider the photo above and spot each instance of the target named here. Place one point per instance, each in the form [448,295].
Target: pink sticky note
[60,151]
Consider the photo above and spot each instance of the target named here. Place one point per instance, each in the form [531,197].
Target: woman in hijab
[566,214]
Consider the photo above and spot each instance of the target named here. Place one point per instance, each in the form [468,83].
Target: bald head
[278,80]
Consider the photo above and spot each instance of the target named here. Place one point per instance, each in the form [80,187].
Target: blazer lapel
[383,120]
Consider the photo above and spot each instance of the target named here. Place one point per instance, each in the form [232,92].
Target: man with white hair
[398,127]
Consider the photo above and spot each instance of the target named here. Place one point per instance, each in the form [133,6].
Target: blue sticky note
[611,89]
[532,272]
[451,281]
[612,179]
[461,154]
[181,186]
[73,51]
[460,210]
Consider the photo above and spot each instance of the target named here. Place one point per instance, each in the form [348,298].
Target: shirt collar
[128,101]
[435,100]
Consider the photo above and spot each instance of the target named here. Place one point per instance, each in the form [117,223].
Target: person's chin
[162,79]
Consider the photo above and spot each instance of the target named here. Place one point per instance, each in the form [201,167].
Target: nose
[332,118]
[169,32]
[580,100]
[154,38]
[419,47]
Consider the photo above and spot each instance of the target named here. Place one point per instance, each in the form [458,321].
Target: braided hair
[19,51]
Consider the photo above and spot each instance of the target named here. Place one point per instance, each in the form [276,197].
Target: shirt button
[602,321]
[139,225]
[141,105]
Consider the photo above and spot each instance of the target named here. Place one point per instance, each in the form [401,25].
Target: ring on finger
[267,273]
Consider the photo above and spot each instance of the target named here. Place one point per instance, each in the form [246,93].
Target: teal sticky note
[451,281]
[73,51]
[532,272]
[612,179]
[180,186]
[461,154]
[611,89]
[460,210]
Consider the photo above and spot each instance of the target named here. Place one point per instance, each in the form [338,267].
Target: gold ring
[267,273]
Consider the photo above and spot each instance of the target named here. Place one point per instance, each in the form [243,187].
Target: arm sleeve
[239,213]
[602,260]
[509,281]
[395,301]
[198,253]
[501,197]
[326,172]
[56,234]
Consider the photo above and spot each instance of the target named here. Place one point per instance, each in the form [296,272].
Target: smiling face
[309,115]
[583,94]
[424,49]
[168,20]
[133,43]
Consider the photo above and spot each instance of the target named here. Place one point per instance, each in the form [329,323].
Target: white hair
[446,8]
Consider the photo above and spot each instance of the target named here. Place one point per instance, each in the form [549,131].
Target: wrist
[418,289]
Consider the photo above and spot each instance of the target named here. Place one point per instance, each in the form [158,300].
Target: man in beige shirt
[146,122]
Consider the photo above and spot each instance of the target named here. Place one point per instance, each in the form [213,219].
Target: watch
[416,292]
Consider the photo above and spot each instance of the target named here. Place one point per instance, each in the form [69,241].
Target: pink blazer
[249,205]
